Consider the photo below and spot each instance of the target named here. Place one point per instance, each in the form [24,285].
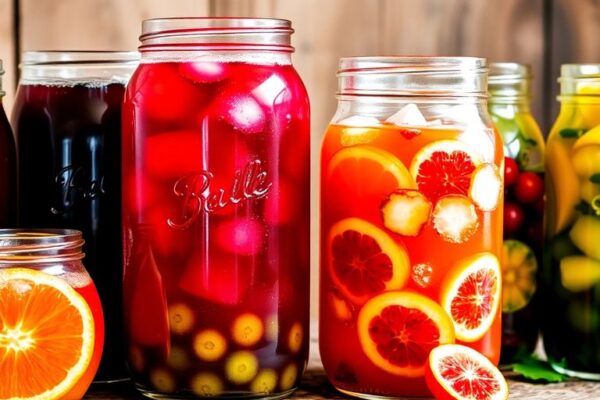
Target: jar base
[589,376]
[226,395]
[378,397]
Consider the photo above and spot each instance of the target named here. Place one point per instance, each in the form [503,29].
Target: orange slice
[459,372]
[364,260]
[397,330]
[46,335]
[471,294]
[444,167]
[364,175]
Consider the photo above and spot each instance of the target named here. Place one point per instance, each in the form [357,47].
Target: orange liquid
[347,365]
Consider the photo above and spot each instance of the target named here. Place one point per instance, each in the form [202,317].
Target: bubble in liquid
[421,274]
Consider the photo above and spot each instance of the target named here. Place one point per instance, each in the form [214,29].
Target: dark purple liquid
[69,144]
[8,173]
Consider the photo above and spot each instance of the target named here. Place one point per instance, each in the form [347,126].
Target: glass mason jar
[216,210]
[510,97]
[571,273]
[411,221]
[51,323]
[67,121]
[8,168]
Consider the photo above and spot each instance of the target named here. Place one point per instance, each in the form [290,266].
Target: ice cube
[269,90]
[241,111]
[409,115]
[455,218]
[204,71]
[359,121]
[486,187]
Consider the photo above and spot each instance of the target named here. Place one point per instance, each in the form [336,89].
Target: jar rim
[509,82]
[420,76]
[504,71]
[413,63]
[40,245]
[578,79]
[77,57]
[216,34]
[579,71]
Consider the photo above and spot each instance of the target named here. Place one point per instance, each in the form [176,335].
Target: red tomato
[511,171]
[513,217]
[529,188]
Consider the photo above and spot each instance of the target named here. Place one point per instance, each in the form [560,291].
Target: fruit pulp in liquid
[216,225]
[422,176]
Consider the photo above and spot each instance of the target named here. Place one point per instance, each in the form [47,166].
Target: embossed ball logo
[198,194]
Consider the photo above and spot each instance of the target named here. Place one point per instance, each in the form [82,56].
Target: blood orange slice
[397,330]
[365,175]
[46,336]
[364,260]
[471,294]
[444,167]
[457,372]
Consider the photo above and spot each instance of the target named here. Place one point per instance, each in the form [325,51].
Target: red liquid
[356,189]
[216,225]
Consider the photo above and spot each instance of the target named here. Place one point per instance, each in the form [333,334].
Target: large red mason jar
[216,210]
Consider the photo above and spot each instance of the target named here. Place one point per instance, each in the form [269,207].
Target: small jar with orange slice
[51,322]
[411,230]
[570,279]
[509,105]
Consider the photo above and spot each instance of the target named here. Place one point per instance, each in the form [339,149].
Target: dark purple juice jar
[8,168]
[67,121]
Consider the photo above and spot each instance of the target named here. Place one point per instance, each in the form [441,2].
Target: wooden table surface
[315,386]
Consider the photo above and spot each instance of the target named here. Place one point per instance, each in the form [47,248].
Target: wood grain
[95,24]
[7,51]
[508,30]
[575,27]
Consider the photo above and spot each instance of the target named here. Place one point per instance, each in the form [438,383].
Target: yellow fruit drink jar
[571,274]
[509,87]
[411,222]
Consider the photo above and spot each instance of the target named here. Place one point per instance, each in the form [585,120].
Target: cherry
[511,171]
[529,188]
[513,217]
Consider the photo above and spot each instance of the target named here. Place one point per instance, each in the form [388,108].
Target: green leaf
[536,370]
[571,133]
[595,178]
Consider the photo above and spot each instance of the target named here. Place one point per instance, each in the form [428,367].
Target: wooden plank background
[544,33]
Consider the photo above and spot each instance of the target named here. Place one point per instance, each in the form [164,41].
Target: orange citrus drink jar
[51,322]
[411,222]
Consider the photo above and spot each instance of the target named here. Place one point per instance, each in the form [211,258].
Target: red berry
[511,171]
[529,188]
[513,217]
